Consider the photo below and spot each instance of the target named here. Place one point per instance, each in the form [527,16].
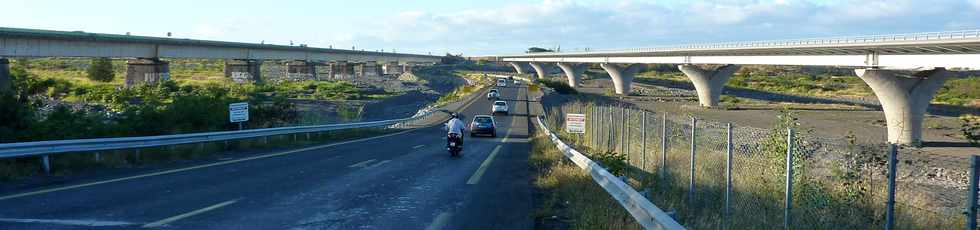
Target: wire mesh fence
[719,175]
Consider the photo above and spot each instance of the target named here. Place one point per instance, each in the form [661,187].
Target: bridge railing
[852,40]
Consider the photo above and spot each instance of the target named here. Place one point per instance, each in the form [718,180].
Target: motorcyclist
[455,126]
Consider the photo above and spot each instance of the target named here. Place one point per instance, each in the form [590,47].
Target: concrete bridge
[243,59]
[903,70]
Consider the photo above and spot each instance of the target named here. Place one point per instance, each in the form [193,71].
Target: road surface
[404,180]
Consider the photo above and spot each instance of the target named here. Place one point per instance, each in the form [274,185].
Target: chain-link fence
[720,175]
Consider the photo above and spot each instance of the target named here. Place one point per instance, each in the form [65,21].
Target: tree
[101,70]
[538,50]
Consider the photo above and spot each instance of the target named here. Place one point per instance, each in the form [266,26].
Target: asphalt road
[404,180]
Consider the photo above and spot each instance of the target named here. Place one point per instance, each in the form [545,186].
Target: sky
[490,27]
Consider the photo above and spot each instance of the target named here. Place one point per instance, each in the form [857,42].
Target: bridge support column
[709,83]
[573,72]
[340,70]
[5,81]
[300,70]
[904,99]
[146,71]
[517,67]
[242,71]
[367,69]
[540,69]
[621,76]
[392,68]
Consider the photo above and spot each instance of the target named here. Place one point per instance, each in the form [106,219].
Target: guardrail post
[728,177]
[787,217]
[98,157]
[663,147]
[890,205]
[971,207]
[694,135]
[46,164]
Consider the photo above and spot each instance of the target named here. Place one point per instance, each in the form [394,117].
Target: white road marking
[88,223]
[196,167]
[362,164]
[189,214]
[440,222]
[378,164]
[483,167]
[418,146]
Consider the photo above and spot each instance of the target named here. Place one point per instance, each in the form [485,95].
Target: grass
[570,198]
[829,193]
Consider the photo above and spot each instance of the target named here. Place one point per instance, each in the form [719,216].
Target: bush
[101,70]
[559,86]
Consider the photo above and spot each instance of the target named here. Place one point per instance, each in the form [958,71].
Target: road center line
[418,146]
[378,164]
[196,167]
[189,214]
[440,221]
[361,164]
[483,167]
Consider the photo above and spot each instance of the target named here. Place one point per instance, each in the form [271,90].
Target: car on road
[517,82]
[483,125]
[493,94]
[502,82]
[500,107]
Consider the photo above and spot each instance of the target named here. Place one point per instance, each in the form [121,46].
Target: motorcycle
[454,145]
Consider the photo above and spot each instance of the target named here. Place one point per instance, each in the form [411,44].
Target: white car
[499,107]
[517,82]
[501,82]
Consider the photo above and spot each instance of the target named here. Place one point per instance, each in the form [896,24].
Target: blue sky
[493,27]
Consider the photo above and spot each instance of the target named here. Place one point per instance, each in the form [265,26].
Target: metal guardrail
[853,40]
[645,213]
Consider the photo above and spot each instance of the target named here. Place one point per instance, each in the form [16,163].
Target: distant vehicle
[500,107]
[502,82]
[517,82]
[493,94]
[483,125]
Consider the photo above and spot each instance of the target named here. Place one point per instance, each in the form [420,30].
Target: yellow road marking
[195,167]
[440,221]
[483,167]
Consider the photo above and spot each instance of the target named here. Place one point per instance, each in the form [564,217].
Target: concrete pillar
[904,99]
[621,76]
[242,71]
[517,67]
[540,69]
[407,68]
[392,68]
[709,83]
[5,81]
[573,72]
[341,70]
[146,71]
[367,69]
[300,70]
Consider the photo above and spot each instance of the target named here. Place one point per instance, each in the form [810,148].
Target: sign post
[238,112]
[575,123]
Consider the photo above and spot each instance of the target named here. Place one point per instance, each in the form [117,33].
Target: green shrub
[101,70]
[559,86]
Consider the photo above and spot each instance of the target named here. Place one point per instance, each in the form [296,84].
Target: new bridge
[903,70]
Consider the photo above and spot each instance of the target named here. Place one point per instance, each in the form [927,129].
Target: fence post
[663,148]
[625,139]
[728,175]
[46,164]
[890,205]
[787,219]
[643,139]
[610,144]
[971,208]
[694,135]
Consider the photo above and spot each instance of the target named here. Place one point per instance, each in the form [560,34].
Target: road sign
[575,123]
[238,112]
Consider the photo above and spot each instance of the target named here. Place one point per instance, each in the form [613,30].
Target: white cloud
[515,27]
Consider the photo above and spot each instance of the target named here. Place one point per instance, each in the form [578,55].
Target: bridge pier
[573,72]
[709,83]
[392,68]
[146,71]
[904,98]
[407,68]
[367,69]
[243,70]
[300,70]
[5,81]
[517,67]
[622,77]
[540,69]
[340,70]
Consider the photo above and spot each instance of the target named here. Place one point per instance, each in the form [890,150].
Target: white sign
[238,112]
[575,123]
